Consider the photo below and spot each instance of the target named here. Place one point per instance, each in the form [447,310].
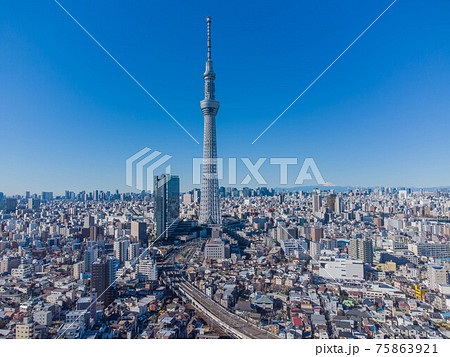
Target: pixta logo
[252,170]
[141,166]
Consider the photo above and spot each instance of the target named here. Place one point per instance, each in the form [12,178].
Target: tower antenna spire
[209,199]
[208,21]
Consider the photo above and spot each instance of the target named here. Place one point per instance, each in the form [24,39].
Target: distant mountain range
[346,188]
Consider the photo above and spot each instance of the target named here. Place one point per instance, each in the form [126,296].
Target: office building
[283,233]
[294,247]
[148,270]
[77,270]
[8,204]
[90,255]
[96,233]
[437,275]
[216,248]
[89,221]
[331,202]
[361,249]
[47,196]
[34,203]
[167,204]
[9,263]
[121,250]
[316,203]
[338,205]
[102,277]
[316,234]
[328,244]
[139,232]
[339,268]
[430,250]
[133,250]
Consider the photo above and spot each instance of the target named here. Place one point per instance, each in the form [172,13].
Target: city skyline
[306,189]
[83,117]
[315,208]
[353,265]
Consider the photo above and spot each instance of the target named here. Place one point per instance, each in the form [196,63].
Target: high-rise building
[121,250]
[437,275]
[316,202]
[314,244]
[209,200]
[328,244]
[167,204]
[283,233]
[89,221]
[133,251]
[331,202]
[9,263]
[292,247]
[148,270]
[102,277]
[139,232]
[361,249]
[338,205]
[90,254]
[316,234]
[8,204]
[96,233]
[33,203]
[196,195]
[47,196]
[78,269]
[314,250]
[187,198]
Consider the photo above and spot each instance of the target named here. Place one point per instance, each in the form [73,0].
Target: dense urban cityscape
[362,263]
[198,257]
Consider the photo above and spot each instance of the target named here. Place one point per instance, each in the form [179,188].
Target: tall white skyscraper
[316,203]
[209,199]
[121,249]
[338,206]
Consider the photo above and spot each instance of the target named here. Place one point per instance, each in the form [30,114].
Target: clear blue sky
[70,116]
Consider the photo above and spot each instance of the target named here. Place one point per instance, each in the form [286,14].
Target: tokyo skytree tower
[209,199]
